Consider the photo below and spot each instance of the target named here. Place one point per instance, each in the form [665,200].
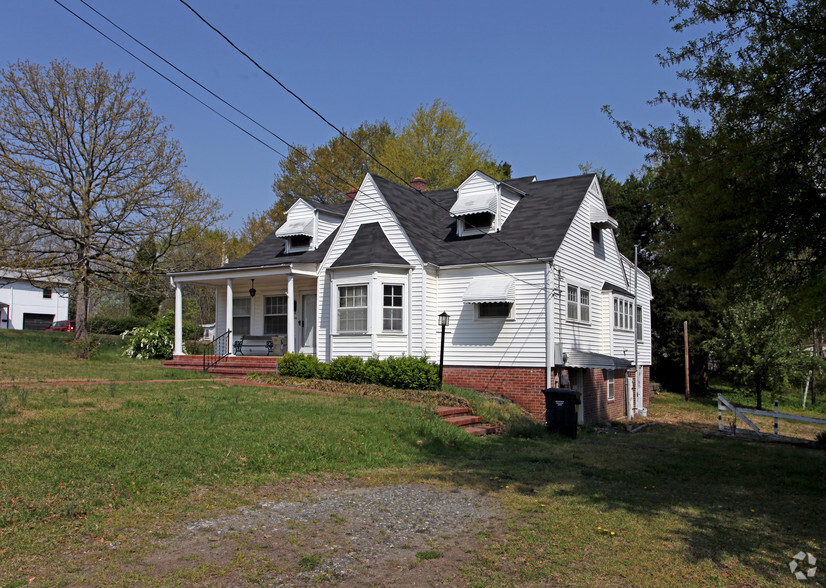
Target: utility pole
[685,337]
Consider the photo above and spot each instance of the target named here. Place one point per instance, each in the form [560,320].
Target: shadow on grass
[757,503]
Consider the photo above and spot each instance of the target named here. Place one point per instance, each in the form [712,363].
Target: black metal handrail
[219,347]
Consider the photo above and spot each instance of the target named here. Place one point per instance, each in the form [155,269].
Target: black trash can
[561,411]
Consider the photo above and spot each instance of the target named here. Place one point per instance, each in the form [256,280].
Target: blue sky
[528,77]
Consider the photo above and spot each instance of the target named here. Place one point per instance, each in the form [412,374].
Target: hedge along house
[528,271]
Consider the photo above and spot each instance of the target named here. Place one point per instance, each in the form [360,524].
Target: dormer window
[482,205]
[298,232]
[477,223]
[601,220]
[299,243]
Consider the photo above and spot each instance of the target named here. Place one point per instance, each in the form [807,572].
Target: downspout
[637,387]
[409,305]
[549,326]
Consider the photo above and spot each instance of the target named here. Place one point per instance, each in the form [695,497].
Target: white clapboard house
[29,302]
[528,272]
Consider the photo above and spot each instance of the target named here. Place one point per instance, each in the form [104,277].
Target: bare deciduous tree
[87,172]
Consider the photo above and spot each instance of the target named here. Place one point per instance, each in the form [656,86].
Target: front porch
[278,301]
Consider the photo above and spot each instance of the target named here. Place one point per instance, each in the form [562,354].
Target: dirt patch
[410,534]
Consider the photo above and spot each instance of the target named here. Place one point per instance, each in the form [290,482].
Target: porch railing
[218,348]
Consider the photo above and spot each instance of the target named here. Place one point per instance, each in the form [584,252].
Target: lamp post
[444,320]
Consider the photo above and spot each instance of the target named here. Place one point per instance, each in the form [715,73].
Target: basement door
[306,324]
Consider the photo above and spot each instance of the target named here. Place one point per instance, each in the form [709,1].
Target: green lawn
[122,462]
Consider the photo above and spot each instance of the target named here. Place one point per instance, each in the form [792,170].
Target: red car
[62,326]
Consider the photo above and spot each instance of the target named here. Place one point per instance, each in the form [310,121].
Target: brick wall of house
[524,386]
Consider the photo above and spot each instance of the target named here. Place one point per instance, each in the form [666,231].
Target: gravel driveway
[410,534]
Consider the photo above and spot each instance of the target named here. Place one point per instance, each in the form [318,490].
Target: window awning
[601,219]
[298,226]
[490,289]
[474,203]
[591,360]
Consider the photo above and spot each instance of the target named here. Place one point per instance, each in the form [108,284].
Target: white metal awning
[298,226]
[474,203]
[591,360]
[490,289]
[601,218]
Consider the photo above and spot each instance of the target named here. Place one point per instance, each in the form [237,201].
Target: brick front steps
[230,366]
[461,417]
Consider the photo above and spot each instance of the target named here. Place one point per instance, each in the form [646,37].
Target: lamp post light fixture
[444,321]
[252,290]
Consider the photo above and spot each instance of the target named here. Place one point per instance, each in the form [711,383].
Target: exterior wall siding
[494,342]
[25,298]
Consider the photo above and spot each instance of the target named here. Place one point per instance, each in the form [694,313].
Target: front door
[306,330]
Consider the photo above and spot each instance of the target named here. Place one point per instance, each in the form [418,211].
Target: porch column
[179,330]
[230,347]
[291,304]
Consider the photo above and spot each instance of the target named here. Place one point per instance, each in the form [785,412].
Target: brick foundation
[524,386]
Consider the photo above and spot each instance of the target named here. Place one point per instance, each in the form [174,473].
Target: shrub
[374,371]
[413,373]
[348,368]
[166,323]
[157,340]
[109,325]
[148,343]
[86,349]
[299,365]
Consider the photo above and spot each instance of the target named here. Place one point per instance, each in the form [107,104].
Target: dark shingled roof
[337,209]
[609,287]
[369,246]
[270,252]
[535,228]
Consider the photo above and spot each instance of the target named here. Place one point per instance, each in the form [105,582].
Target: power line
[293,94]
[182,89]
[294,148]
[334,127]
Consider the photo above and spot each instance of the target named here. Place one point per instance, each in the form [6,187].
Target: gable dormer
[483,205]
[299,230]
[308,225]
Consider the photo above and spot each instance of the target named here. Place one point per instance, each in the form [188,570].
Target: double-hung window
[639,323]
[275,315]
[352,309]
[579,304]
[241,316]
[393,310]
[624,314]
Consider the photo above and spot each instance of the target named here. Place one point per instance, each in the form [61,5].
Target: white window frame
[392,308]
[623,314]
[578,305]
[638,322]
[610,386]
[290,248]
[366,307]
[285,314]
[477,315]
[466,229]
[236,314]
